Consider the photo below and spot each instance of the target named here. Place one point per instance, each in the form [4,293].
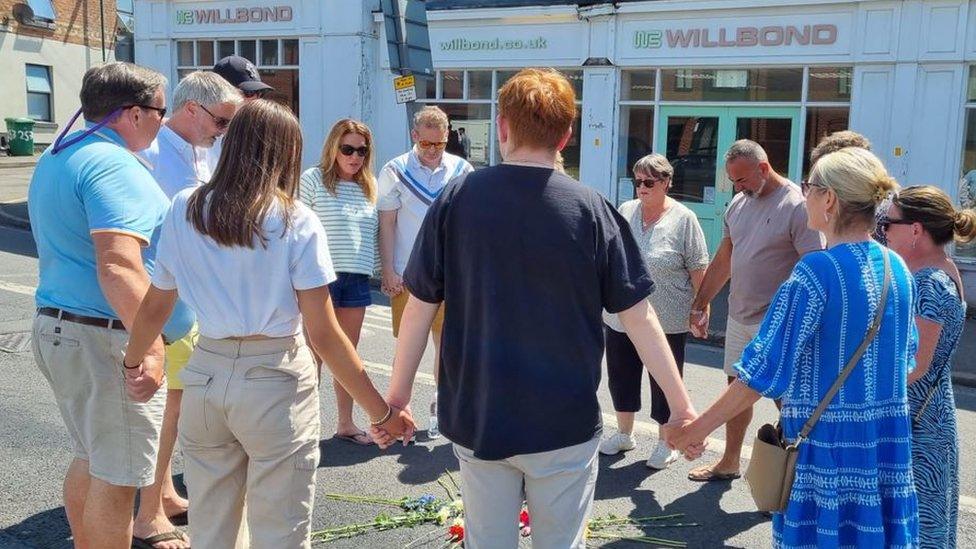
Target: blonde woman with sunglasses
[341,191]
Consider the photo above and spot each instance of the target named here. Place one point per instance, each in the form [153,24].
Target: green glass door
[694,139]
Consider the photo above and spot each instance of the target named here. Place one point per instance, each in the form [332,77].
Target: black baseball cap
[241,73]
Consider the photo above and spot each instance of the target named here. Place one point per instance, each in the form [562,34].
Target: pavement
[15,176]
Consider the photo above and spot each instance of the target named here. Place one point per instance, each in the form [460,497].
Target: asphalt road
[34,449]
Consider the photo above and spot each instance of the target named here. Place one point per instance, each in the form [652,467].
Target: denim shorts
[350,290]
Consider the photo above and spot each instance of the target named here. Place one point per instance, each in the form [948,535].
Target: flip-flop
[354,438]
[707,474]
[151,541]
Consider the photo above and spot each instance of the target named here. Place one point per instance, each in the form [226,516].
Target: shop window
[501,77]
[277,65]
[636,141]
[479,84]
[475,120]
[637,85]
[452,84]
[821,122]
[967,181]
[426,86]
[269,52]
[765,84]
[289,52]
[829,84]
[39,92]
[225,48]
[205,53]
[248,49]
[184,53]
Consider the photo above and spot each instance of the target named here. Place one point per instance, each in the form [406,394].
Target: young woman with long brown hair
[341,191]
[252,262]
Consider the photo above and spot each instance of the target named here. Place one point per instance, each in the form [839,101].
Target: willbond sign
[801,34]
[507,45]
[233,14]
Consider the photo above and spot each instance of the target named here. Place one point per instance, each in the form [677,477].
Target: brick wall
[76,22]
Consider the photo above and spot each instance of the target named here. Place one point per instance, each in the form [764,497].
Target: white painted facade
[910,64]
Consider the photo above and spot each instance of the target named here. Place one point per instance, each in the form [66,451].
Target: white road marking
[17,288]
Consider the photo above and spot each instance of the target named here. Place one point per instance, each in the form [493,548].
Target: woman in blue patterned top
[921,221]
[853,484]
[341,191]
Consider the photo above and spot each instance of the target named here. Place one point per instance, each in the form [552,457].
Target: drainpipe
[101,17]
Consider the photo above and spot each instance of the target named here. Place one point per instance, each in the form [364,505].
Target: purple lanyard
[59,146]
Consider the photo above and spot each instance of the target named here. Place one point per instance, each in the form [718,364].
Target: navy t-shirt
[525,259]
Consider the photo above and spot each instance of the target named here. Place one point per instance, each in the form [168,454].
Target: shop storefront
[686,79]
[681,78]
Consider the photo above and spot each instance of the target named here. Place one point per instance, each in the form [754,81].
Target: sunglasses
[806,187]
[347,150]
[259,94]
[888,222]
[160,110]
[649,183]
[220,121]
[432,144]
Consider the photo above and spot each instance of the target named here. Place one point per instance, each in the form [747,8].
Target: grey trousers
[558,487]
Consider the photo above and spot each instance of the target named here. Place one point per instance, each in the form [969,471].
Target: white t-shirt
[236,291]
[176,164]
[409,187]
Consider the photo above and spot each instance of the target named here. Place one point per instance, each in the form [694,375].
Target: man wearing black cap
[242,73]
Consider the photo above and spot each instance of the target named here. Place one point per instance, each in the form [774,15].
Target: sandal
[707,474]
[151,541]
[356,438]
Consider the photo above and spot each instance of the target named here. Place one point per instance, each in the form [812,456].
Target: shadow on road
[700,505]
[17,241]
[48,529]
[423,464]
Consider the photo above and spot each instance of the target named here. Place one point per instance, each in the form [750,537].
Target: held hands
[392,283]
[681,434]
[699,323]
[142,382]
[400,425]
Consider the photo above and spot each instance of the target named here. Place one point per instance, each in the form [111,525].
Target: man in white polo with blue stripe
[408,185]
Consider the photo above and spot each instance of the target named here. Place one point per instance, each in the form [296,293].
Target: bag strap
[873,331]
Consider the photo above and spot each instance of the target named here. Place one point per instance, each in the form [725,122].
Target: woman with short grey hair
[673,245]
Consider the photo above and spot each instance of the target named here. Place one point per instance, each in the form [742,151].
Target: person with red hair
[525,259]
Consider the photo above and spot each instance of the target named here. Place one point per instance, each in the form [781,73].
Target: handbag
[773,463]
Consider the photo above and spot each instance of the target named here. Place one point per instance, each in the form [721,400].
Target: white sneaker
[662,456]
[619,442]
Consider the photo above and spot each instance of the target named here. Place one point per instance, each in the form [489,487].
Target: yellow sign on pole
[405,89]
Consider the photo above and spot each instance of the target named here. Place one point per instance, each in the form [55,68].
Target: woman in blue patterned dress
[853,484]
[922,220]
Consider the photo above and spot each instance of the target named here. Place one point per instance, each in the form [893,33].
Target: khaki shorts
[399,302]
[177,355]
[737,337]
[118,437]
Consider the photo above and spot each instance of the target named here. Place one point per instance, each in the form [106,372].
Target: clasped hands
[682,433]
[399,426]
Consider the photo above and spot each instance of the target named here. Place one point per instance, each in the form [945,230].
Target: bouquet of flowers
[447,515]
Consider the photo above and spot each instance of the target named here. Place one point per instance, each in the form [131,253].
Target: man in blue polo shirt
[95,212]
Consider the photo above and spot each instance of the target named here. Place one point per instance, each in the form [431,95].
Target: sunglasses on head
[219,121]
[348,150]
[432,144]
[649,183]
